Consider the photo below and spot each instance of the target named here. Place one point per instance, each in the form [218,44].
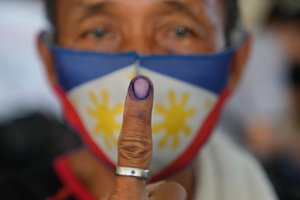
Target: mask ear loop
[238,37]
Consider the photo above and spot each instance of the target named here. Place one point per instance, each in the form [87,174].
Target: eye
[97,33]
[181,31]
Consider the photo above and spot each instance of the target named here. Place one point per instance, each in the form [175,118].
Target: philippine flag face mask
[189,93]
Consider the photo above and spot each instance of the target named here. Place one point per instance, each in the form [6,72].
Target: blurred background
[23,86]
[263,116]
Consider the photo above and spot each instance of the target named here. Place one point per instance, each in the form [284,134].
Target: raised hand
[135,148]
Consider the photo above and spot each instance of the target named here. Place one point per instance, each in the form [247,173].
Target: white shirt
[227,172]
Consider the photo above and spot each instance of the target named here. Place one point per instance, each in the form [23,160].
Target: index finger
[135,140]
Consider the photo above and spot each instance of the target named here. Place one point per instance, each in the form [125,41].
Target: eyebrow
[179,6]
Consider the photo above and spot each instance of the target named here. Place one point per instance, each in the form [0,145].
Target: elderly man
[194,54]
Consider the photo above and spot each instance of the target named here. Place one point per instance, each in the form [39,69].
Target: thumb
[169,190]
[135,140]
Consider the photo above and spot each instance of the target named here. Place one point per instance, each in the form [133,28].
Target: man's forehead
[86,2]
[195,6]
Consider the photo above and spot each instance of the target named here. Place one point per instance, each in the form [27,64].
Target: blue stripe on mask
[74,68]
[209,71]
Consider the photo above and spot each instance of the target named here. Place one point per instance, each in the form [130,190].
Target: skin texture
[145,26]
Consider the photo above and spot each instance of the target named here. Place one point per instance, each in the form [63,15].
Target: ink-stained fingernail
[141,87]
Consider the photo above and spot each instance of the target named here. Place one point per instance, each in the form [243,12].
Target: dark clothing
[285,176]
[28,147]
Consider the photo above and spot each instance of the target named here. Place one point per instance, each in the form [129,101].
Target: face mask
[189,92]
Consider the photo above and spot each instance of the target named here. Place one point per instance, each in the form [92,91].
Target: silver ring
[133,172]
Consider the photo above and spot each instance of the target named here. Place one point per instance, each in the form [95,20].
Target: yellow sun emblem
[105,117]
[132,75]
[174,119]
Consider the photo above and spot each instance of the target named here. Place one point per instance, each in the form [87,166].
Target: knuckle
[136,148]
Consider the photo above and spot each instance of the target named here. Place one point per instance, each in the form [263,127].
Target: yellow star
[174,119]
[105,118]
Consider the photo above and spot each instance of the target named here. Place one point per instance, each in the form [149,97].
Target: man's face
[145,26]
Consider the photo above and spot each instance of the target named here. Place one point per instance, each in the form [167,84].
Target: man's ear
[239,61]
[47,58]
